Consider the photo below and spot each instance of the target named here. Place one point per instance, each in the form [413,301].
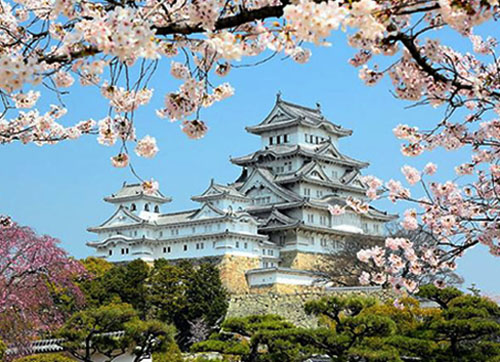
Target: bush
[172,354]
[49,357]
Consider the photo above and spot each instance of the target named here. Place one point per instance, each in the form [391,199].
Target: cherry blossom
[32,268]
[116,48]
[146,147]
[150,187]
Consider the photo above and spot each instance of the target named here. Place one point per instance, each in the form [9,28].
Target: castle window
[319,193]
[202,245]
[311,240]
[197,246]
[146,207]
[306,137]
[161,234]
[278,140]
[193,229]
[185,247]
[307,192]
[133,207]
[322,220]
[323,242]
[335,174]
[157,209]
[164,249]
[213,244]
[375,228]
[270,140]
[110,252]
[135,233]
[169,249]
[237,244]
[310,218]
[263,251]
[285,138]
[245,245]
[365,227]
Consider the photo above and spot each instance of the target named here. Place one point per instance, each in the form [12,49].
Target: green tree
[112,330]
[116,283]
[147,337]
[97,330]
[349,332]
[182,293]
[249,336]
[469,327]
[171,354]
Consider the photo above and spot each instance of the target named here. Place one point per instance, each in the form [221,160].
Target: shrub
[49,357]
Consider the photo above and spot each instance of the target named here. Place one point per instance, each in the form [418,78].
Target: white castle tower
[268,228]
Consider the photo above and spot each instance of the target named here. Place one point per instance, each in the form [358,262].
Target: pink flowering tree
[116,46]
[34,271]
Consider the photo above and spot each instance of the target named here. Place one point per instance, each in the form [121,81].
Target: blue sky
[58,189]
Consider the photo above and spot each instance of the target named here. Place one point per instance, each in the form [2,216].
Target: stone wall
[291,306]
[301,260]
[232,272]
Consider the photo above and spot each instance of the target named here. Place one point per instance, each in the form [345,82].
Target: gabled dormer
[207,211]
[224,197]
[262,189]
[122,218]
[134,199]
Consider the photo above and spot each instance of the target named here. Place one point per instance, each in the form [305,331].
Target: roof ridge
[179,212]
[315,110]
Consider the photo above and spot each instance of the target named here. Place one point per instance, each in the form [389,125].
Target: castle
[268,228]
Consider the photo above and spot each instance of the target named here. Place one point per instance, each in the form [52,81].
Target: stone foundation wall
[232,272]
[301,260]
[291,306]
[286,289]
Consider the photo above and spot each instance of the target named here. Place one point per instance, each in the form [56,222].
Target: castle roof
[286,114]
[326,151]
[218,191]
[131,192]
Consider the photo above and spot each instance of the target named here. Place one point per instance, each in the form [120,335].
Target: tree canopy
[357,328]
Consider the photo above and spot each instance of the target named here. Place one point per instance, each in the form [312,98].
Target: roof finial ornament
[318,106]
[278,96]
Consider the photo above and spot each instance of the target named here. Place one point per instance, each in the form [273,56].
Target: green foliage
[180,294]
[3,348]
[112,330]
[90,331]
[48,357]
[171,354]
[246,336]
[123,283]
[355,328]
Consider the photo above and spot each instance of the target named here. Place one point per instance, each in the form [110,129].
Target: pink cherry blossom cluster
[112,129]
[146,147]
[150,187]
[401,264]
[123,100]
[31,268]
